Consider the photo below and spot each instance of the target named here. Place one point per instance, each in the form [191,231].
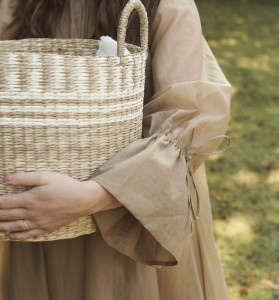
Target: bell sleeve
[150,177]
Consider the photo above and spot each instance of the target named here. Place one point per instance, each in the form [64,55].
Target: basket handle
[123,23]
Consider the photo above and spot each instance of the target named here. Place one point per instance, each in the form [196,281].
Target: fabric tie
[190,182]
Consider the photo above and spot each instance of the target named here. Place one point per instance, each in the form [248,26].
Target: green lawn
[244,181]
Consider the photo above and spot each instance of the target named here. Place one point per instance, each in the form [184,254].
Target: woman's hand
[55,200]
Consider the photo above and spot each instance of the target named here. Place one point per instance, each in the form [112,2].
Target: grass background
[244,181]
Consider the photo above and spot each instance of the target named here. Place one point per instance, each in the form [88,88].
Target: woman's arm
[55,200]
[151,177]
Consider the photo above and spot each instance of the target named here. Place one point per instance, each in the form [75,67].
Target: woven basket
[64,109]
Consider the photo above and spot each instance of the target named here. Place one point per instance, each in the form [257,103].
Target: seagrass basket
[64,109]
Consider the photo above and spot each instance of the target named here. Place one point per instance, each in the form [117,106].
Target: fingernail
[8,177]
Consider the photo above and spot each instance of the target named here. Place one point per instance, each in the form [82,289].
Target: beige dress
[143,250]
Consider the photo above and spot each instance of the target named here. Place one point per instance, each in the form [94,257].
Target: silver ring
[24,222]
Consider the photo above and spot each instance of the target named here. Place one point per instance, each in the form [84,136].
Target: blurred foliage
[244,181]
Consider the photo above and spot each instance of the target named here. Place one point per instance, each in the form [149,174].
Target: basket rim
[6,51]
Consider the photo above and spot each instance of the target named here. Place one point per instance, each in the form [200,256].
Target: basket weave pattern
[64,109]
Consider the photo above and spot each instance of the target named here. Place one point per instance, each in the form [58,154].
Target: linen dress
[144,249]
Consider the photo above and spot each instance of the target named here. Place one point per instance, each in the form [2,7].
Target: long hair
[39,18]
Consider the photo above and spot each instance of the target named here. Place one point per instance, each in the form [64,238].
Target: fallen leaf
[219,198]
[270,285]
[223,217]
[243,291]
[260,123]
[250,101]
[222,200]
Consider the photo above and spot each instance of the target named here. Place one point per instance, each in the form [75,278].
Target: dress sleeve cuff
[152,225]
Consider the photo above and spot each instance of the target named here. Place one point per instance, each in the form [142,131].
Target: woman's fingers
[19,200]
[13,214]
[20,236]
[15,226]
[27,179]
